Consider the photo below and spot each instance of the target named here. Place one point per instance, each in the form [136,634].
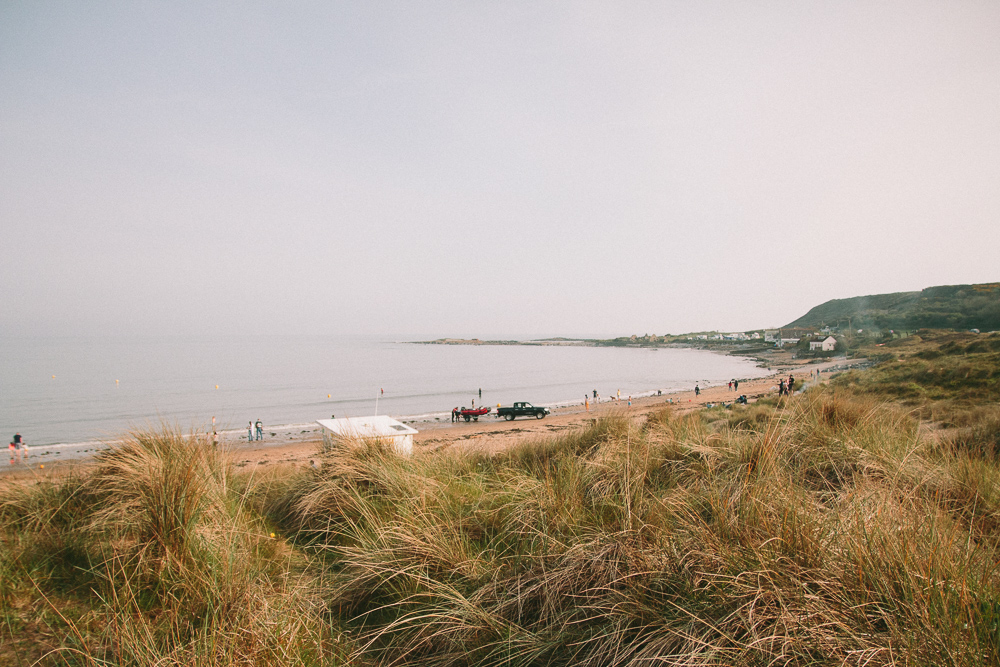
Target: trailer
[473,415]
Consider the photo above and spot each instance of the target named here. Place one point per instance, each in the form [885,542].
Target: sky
[491,170]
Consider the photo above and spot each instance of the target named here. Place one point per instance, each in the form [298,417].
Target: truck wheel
[539,415]
[510,417]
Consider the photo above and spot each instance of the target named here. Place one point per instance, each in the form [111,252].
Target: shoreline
[425,419]
[298,444]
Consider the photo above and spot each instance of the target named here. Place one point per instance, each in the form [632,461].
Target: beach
[298,445]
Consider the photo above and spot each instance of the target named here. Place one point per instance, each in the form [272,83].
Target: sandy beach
[296,446]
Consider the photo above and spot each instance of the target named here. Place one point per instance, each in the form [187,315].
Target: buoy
[328,395]
[53,377]
[216,386]
[41,465]
[272,535]
[116,383]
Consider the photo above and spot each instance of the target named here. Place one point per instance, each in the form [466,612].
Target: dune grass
[830,529]
[831,535]
[153,558]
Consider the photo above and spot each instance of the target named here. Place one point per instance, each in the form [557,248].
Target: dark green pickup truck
[522,410]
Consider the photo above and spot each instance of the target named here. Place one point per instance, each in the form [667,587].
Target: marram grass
[831,529]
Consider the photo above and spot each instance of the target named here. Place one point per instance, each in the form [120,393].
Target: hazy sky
[488,169]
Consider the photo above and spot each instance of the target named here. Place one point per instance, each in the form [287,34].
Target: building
[828,344]
[355,430]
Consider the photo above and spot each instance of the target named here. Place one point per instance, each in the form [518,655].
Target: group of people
[786,389]
[734,385]
[18,449]
[255,429]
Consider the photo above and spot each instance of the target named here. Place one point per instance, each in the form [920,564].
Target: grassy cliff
[946,306]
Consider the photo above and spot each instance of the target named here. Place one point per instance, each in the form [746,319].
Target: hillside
[942,307]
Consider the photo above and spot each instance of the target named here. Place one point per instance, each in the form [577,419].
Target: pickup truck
[522,410]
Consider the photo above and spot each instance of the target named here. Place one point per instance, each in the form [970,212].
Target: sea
[70,392]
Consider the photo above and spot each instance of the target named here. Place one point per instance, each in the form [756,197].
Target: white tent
[359,428]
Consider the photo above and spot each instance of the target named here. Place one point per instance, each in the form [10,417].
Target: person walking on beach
[781,387]
[736,385]
[697,390]
[259,427]
[791,383]
[730,385]
[249,431]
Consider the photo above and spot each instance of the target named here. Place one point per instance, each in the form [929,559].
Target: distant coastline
[579,342]
[764,354]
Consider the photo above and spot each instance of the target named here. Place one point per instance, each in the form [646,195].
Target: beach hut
[355,429]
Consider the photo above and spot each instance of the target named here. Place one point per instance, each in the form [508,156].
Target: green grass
[834,528]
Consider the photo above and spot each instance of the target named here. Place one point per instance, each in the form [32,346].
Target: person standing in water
[259,428]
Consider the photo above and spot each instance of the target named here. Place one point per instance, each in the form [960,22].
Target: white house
[772,335]
[356,429]
[828,344]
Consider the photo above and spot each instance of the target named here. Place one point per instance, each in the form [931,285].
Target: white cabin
[827,345]
[355,429]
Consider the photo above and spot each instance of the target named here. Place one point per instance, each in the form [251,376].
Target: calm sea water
[72,390]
